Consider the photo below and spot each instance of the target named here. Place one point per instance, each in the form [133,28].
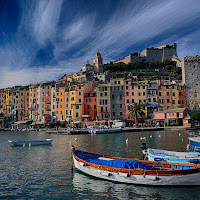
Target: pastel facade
[103,101]
[53,103]
[116,99]
[90,106]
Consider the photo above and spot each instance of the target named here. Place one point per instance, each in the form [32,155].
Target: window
[127,93]
[161,100]
[120,96]
[61,112]
[79,93]
[126,82]
[172,86]
[101,109]
[133,101]
[88,107]
[149,99]
[113,113]
[179,93]
[126,87]
[72,99]
[167,93]
[113,97]
[167,87]
[173,94]
[168,101]
[132,87]
[180,102]
[79,100]
[77,114]
[179,87]
[120,113]
[77,106]
[95,106]
[101,102]
[127,101]
[138,87]
[160,94]
[159,87]
[113,106]
[154,99]
[143,93]
[143,87]
[140,101]
[106,101]
[173,101]
[132,93]
[101,94]
[120,105]
[106,109]
[177,115]
[105,93]
[139,94]
[105,88]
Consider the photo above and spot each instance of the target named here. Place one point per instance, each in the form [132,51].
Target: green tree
[136,111]
[195,116]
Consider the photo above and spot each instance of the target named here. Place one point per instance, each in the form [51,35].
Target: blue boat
[195,142]
[172,156]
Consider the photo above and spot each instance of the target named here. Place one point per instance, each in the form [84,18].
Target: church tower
[98,63]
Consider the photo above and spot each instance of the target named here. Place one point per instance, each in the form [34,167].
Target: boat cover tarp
[118,163]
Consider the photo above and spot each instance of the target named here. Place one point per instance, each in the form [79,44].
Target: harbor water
[47,172]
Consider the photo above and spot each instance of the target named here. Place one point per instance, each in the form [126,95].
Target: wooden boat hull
[31,142]
[181,180]
[187,177]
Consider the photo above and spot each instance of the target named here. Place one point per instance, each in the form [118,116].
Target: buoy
[150,136]
[179,134]
[75,139]
[159,135]
[127,141]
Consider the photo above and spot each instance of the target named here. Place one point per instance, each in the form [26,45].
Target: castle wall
[191,78]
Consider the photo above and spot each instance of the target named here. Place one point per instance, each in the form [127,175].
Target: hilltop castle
[162,53]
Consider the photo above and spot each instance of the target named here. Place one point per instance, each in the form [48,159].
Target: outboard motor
[144,150]
[143,146]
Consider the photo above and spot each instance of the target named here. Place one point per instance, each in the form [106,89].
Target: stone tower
[98,63]
[191,79]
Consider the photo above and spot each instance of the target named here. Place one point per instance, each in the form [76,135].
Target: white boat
[31,142]
[136,171]
[104,130]
[172,156]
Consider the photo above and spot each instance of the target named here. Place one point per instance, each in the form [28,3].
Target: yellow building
[61,112]
[7,101]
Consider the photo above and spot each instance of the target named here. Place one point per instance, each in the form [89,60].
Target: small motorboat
[171,156]
[31,142]
[134,171]
[195,142]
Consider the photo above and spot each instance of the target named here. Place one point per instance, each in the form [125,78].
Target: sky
[41,40]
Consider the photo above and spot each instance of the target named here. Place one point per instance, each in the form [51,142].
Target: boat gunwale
[159,164]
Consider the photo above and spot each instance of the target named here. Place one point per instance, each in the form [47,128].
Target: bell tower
[98,63]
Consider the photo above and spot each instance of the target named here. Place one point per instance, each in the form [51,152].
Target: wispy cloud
[131,25]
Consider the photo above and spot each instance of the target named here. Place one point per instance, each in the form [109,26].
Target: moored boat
[31,142]
[172,156]
[195,142]
[105,130]
[134,171]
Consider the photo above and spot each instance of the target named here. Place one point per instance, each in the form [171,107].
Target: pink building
[171,116]
[164,94]
[127,98]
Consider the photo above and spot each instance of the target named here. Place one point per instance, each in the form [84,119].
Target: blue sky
[40,40]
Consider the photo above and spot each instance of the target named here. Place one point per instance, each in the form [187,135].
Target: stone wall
[191,79]
[162,53]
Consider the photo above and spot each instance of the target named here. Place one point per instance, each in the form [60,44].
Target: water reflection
[84,184]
